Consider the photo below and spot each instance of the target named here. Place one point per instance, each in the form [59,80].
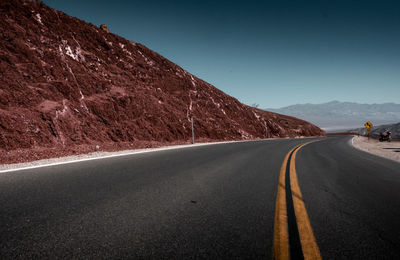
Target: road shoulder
[103,155]
[388,150]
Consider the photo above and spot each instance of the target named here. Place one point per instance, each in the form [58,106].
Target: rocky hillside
[67,86]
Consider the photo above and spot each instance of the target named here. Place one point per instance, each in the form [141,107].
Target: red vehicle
[385,136]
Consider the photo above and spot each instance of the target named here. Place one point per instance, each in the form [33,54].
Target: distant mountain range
[337,115]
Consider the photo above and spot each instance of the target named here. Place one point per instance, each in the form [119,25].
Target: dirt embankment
[69,87]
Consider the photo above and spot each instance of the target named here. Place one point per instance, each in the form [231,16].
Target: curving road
[207,202]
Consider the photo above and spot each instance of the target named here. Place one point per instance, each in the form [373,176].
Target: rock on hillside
[68,87]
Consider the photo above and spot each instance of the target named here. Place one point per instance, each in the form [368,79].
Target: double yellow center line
[293,235]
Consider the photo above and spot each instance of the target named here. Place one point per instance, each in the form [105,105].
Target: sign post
[368,125]
[192,131]
[266,129]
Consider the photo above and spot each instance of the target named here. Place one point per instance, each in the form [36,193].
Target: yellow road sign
[368,124]
[368,130]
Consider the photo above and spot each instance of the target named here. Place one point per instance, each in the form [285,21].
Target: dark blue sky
[274,53]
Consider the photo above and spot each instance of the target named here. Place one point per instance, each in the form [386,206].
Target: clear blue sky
[274,53]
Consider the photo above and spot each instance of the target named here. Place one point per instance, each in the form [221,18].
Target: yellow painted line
[307,238]
[281,236]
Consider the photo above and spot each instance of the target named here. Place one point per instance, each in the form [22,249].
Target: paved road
[205,202]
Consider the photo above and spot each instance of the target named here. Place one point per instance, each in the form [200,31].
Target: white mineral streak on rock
[256,115]
[193,82]
[82,101]
[38,18]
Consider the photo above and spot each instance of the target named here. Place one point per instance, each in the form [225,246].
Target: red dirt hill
[69,87]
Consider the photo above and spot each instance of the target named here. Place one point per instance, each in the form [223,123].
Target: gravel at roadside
[389,150]
[83,157]
[101,155]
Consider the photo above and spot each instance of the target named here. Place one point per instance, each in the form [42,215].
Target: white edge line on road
[128,152]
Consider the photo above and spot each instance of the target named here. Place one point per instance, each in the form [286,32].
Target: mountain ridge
[338,115]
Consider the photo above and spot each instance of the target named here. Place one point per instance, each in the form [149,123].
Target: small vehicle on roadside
[385,136]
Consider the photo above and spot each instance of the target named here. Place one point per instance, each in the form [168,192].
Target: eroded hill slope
[68,87]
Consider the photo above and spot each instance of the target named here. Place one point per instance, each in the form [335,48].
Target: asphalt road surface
[206,202]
